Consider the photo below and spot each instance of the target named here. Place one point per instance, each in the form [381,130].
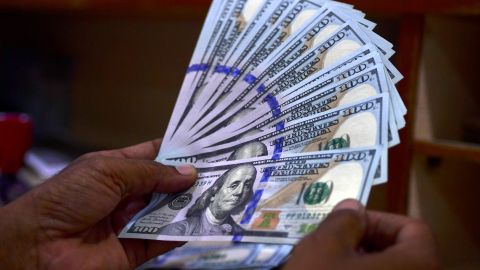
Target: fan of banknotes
[287,108]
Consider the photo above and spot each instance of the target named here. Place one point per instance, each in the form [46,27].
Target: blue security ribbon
[252,206]
[247,216]
[256,197]
[197,67]
[277,151]
[261,88]
[280,126]
[235,72]
[250,79]
[273,104]
[237,238]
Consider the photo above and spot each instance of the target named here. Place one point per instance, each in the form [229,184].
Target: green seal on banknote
[318,192]
[338,143]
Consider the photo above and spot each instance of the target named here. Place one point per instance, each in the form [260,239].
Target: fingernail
[349,204]
[186,169]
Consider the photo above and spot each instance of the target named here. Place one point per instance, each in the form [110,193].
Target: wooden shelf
[448,149]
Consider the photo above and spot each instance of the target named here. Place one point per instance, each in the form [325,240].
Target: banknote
[295,64]
[268,14]
[210,31]
[315,14]
[363,77]
[245,43]
[302,68]
[225,22]
[299,70]
[358,125]
[358,62]
[262,200]
[287,107]
[299,135]
[221,256]
[246,56]
[242,20]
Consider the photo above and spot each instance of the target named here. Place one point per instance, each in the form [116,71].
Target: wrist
[17,239]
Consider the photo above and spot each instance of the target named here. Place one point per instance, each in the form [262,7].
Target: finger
[341,231]
[400,242]
[387,230]
[96,186]
[136,177]
[396,260]
[146,150]
[384,230]
[345,225]
[349,204]
[126,210]
[415,248]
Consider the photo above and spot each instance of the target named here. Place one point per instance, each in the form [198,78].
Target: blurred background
[83,75]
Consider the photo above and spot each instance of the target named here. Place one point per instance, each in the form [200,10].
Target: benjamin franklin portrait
[211,213]
[249,150]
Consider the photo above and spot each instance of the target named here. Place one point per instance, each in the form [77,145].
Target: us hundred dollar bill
[304,102]
[363,122]
[259,200]
[276,72]
[359,125]
[243,20]
[224,23]
[268,15]
[246,56]
[316,32]
[362,78]
[247,94]
[366,84]
[208,34]
[221,256]
[312,99]
[245,42]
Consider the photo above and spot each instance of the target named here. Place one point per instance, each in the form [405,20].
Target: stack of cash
[287,108]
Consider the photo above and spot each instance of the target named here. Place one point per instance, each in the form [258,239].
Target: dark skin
[72,222]
[353,238]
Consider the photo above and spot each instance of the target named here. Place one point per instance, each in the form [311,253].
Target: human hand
[352,238]
[72,220]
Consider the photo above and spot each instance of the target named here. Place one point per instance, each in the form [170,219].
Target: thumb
[89,189]
[137,177]
[341,231]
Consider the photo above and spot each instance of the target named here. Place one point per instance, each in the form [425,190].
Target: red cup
[16,134]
